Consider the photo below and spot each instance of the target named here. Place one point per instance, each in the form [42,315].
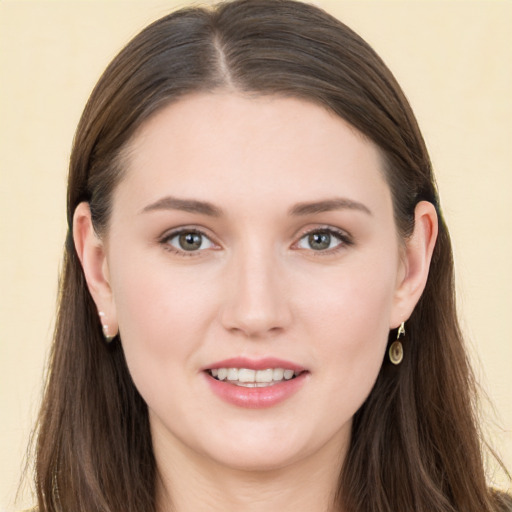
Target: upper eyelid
[343,234]
[171,233]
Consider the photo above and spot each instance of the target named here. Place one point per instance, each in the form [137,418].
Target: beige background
[453,58]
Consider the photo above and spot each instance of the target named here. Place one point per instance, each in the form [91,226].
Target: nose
[257,304]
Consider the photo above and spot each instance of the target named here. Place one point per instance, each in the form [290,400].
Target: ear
[415,263]
[92,255]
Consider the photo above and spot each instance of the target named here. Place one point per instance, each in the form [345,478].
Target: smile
[253,378]
[255,383]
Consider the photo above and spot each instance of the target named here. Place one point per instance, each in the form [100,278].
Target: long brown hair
[415,443]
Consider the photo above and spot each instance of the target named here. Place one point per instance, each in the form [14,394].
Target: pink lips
[255,364]
[256,398]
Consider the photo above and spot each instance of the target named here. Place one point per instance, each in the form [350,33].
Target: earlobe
[419,248]
[91,253]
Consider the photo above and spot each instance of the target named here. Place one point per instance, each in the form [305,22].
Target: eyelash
[344,239]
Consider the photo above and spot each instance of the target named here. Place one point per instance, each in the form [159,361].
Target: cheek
[349,320]
[161,317]
[353,299]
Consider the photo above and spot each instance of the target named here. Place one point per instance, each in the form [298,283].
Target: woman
[257,303]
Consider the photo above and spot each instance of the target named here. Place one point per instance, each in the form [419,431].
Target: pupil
[190,241]
[319,241]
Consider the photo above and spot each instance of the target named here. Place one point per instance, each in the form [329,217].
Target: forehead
[229,146]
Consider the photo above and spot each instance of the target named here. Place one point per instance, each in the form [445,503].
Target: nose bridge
[258,302]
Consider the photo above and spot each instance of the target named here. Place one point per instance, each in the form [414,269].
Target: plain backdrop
[453,59]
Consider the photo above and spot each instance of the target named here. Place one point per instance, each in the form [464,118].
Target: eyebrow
[328,205]
[300,209]
[185,205]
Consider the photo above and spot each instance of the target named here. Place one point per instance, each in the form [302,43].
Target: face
[255,272]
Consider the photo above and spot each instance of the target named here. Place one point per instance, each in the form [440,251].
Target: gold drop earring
[396,350]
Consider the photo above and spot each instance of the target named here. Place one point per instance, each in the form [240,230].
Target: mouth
[249,378]
[255,383]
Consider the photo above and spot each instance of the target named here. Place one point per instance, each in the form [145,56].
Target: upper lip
[255,364]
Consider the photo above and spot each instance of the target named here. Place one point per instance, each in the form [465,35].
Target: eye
[188,241]
[322,240]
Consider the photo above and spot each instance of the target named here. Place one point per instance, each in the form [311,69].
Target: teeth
[264,375]
[278,374]
[288,374]
[253,378]
[232,374]
[245,375]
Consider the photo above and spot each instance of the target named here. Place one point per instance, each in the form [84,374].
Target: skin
[255,288]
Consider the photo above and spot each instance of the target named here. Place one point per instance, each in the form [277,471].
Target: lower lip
[256,398]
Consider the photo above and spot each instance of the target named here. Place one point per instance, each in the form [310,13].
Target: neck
[188,481]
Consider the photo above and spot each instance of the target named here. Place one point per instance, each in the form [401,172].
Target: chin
[271,448]
[259,460]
